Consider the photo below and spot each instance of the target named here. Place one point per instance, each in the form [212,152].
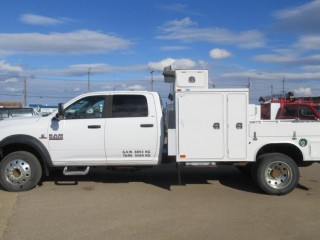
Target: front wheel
[19,171]
[276,173]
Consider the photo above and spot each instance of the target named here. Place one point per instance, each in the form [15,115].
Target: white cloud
[298,11]
[302,53]
[136,87]
[11,89]
[275,58]
[76,43]
[312,68]
[303,91]
[76,89]
[175,63]
[4,66]
[180,8]
[262,75]
[292,59]
[203,64]
[308,42]
[34,19]
[218,53]
[175,25]
[174,48]
[187,31]
[9,80]
[304,18]
[95,68]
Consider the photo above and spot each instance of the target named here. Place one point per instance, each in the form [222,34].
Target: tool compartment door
[200,126]
[237,125]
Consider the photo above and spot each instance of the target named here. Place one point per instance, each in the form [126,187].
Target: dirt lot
[218,203]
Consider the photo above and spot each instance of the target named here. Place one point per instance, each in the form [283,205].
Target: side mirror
[60,114]
[170,96]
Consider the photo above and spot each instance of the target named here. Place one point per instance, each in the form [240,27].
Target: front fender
[21,142]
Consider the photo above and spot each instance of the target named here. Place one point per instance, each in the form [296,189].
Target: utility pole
[152,81]
[283,81]
[271,91]
[249,87]
[89,72]
[25,91]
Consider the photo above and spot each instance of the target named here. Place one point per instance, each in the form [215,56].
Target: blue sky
[55,44]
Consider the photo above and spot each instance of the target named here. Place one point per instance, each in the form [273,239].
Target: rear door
[131,135]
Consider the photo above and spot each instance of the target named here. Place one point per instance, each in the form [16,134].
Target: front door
[80,135]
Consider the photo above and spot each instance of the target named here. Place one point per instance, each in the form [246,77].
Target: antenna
[25,92]
[283,81]
[89,72]
[249,83]
[152,80]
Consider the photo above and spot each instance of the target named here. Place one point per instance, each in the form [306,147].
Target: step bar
[78,171]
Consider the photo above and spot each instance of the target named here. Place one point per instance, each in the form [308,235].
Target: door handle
[94,126]
[216,126]
[239,126]
[146,125]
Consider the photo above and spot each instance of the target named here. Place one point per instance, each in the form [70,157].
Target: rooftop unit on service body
[206,125]
[186,80]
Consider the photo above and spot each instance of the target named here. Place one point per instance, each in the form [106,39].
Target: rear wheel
[276,173]
[19,171]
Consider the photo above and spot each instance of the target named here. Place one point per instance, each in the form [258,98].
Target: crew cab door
[79,137]
[132,131]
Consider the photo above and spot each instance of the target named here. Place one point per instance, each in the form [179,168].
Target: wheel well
[23,147]
[285,148]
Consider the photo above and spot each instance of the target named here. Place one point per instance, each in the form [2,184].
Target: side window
[4,114]
[89,107]
[289,111]
[317,109]
[305,112]
[21,112]
[129,106]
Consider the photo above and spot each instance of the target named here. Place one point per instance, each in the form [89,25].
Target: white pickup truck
[202,127]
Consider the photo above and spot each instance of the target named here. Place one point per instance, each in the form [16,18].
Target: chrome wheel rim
[278,175]
[18,172]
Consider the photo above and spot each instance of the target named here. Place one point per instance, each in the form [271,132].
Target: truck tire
[276,173]
[20,171]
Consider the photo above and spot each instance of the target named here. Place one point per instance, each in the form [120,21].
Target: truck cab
[93,129]
[108,129]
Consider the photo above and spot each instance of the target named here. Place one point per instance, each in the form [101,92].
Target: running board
[75,171]
[200,164]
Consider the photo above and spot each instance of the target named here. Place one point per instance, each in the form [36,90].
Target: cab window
[129,106]
[88,107]
[305,112]
[287,112]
